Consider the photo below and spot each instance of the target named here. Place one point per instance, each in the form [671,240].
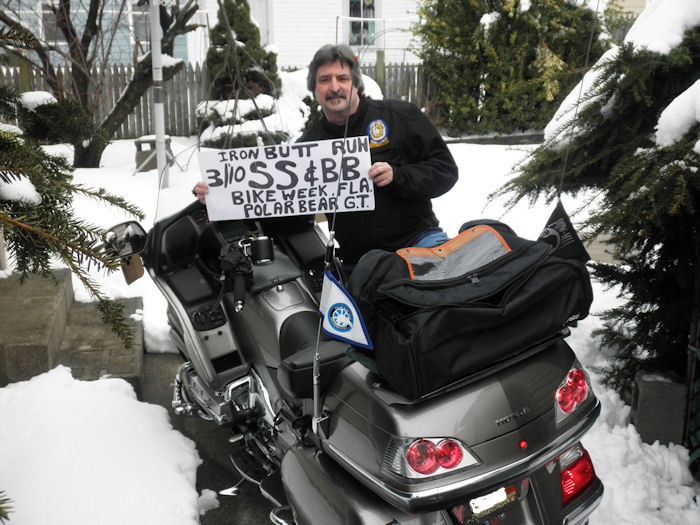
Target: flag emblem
[341,317]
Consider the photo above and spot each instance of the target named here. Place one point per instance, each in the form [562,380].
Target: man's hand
[381,173]
[200,191]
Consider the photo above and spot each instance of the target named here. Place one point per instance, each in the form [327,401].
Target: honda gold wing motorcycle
[498,443]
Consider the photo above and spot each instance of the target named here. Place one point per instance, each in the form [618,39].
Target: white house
[297,28]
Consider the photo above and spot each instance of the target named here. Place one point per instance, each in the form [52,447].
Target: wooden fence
[189,87]
[403,82]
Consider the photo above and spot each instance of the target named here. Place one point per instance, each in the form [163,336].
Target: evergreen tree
[238,67]
[500,67]
[649,194]
[39,229]
[451,38]
[534,56]
[5,508]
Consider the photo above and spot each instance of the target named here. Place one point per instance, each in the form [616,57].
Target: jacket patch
[378,133]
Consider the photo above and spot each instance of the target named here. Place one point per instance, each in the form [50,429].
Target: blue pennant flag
[341,317]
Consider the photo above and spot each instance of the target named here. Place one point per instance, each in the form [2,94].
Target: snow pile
[31,99]
[661,25]
[19,188]
[679,116]
[79,452]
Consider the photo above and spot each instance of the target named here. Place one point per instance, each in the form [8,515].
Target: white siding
[399,16]
[300,27]
[297,28]
[635,6]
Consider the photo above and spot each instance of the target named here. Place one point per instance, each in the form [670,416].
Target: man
[410,162]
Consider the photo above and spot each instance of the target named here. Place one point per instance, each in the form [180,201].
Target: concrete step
[42,327]
[34,317]
[91,350]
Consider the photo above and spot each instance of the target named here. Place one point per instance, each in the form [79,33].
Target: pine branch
[82,247]
[102,195]
[5,508]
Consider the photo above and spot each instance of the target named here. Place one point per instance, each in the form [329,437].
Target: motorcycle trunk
[251,368]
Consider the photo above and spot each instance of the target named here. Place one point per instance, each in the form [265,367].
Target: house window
[362,23]
[49,27]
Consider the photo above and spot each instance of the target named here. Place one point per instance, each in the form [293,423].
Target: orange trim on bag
[449,247]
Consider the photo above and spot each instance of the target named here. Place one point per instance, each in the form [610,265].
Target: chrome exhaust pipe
[181,403]
[283,515]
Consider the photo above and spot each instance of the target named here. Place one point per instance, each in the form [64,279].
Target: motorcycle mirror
[126,238]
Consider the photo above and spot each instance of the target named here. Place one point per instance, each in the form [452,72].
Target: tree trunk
[89,155]
[175,23]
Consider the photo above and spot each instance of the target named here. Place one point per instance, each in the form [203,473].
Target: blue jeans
[428,239]
[431,239]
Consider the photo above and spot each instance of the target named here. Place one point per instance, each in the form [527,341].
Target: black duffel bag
[438,315]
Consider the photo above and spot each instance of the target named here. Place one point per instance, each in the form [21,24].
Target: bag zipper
[472,277]
[462,278]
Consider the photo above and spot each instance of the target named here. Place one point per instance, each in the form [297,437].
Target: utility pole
[158,93]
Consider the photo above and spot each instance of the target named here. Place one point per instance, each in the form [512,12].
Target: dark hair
[332,53]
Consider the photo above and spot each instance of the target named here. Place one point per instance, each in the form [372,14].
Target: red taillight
[449,454]
[576,476]
[421,457]
[574,390]
[425,457]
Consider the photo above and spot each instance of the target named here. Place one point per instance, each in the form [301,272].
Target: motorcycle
[500,446]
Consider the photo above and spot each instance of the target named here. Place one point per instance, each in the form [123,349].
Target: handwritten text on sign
[288,179]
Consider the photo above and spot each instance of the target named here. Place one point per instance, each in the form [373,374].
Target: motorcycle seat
[295,373]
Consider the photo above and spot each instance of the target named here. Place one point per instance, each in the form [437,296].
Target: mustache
[335,94]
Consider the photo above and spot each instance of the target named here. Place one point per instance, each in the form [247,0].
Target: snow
[88,452]
[69,450]
[9,128]
[31,99]
[661,25]
[169,61]
[573,104]
[19,188]
[679,116]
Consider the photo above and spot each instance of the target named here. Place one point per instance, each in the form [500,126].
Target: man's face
[333,89]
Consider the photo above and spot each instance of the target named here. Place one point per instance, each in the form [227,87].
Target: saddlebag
[438,315]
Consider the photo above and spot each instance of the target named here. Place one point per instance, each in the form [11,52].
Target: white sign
[288,179]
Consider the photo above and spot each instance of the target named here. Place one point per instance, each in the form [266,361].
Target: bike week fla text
[288,179]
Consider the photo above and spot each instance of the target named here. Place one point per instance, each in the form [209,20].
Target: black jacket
[423,169]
